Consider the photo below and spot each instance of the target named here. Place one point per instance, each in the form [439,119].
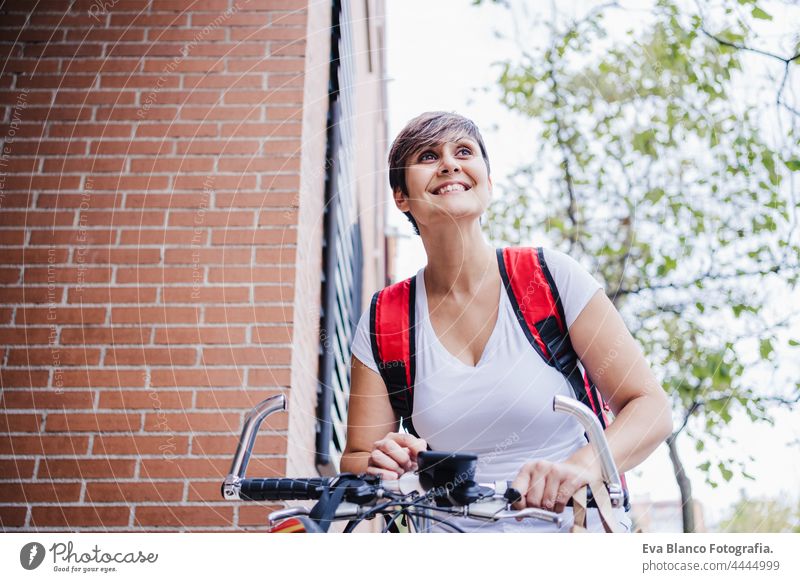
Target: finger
[414,444]
[565,493]
[381,460]
[521,483]
[550,491]
[533,496]
[395,451]
[383,473]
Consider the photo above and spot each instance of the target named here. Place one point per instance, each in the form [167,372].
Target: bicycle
[443,484]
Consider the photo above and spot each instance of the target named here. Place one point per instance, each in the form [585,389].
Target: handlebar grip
[281,489]
[512,495]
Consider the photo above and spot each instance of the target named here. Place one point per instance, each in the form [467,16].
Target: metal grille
[341,287]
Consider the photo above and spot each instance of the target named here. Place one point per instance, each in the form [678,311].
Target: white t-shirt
[501,409]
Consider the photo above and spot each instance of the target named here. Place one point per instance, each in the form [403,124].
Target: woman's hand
[395,454]
[551,485]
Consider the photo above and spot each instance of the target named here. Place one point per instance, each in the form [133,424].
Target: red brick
[22,379]
[72,238]
[31,218]
[231,274]
[273,293]
[68,516]
[31,295]
[256,164]
[104,335]
[145,399]
[86,295]
[164,130]
[75,275]
[211,218]
[160,315]
[128,147]
[10,236]
[16,468]
[221,112]
[123,256]
[162,237]
[216,147]
[240,356]
[255,314]
[201,378]
[24,256]
[262,377]
[204,294]
[193,421]
[262,130]
[248,19]
[267,65]
[171,165]
[150,357]
[73,130]
[255,515]
[114,98]
[233,398]
[268,33]
[121,218]
[59,422]
[222,81]
[93,200]
[296,80]
[226,256]
[167,201]
[152,65]
[60,315]
[202,183]
[147,20]
[26,335]
[226,444]
[79,165]
[46,399]
[183,516]
[131,183]
[262,236]
[84,468]
[54,356]
[279,334]
[12,517]
[200,335]
[141,445]
[106,65]
[43,445]
[209,468]
[145,82]
[40,492]
[161,275]
[133,492]
[285,113]
[94,378]
[10,276]
[60,81]
[291,48]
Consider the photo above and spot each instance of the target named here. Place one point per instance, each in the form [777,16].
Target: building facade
[192,202]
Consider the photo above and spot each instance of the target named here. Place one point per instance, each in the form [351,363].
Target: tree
[761,516]
[654,167]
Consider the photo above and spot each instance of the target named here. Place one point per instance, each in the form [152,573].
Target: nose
[449,164]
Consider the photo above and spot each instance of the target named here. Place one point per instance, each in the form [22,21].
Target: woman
[478,385]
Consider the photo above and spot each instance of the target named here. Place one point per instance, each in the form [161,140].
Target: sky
[440,56]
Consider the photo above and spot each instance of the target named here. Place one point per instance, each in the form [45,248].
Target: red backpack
[537,305]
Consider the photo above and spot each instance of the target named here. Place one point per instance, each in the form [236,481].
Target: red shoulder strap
[391,321]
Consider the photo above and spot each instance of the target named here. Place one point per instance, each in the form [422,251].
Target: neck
[459,263]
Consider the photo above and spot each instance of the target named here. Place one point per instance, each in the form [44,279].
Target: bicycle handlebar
[486,501]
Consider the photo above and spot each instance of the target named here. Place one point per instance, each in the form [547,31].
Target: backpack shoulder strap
[391,322]
[534,296]
[540,313]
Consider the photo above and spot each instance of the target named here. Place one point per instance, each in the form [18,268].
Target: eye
[465,149]
[424,155]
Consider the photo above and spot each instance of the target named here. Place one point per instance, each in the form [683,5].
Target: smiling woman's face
[447,182]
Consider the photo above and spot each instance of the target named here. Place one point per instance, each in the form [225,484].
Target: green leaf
[793,165]
[704,467]
[727,474]
[760,14]
[765,349]
[794,342]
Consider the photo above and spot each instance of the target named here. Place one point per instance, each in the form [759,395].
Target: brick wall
[160,240]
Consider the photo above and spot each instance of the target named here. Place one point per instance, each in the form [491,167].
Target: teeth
[450,188]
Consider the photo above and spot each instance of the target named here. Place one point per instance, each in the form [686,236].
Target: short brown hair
[426,130]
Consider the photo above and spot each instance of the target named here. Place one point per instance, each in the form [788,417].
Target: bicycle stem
[597,440]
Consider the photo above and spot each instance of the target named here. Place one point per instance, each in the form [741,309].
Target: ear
[400,200]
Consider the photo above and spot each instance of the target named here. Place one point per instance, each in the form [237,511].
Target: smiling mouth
[451,189]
